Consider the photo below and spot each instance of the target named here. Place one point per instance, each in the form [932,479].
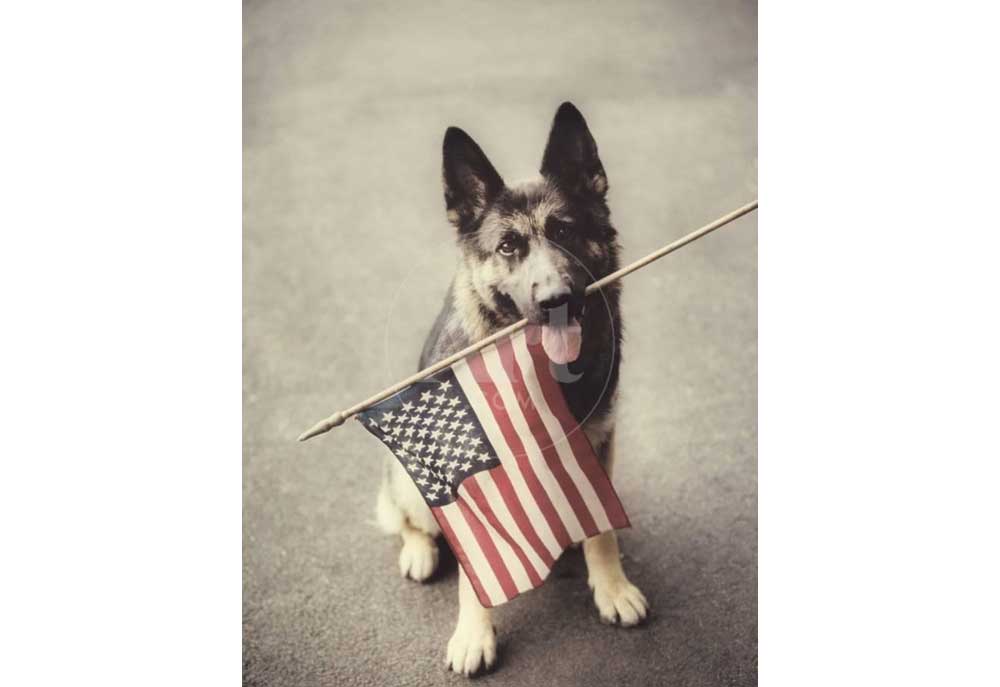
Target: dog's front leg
[617,599]
[473,644]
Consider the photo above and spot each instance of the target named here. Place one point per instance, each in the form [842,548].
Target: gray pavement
[347,255]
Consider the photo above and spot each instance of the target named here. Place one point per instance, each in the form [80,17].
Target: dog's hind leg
[617,599]
[389,517]
[398,511]
[418,559]
[473,645]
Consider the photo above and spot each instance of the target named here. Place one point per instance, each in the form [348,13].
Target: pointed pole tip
[323,426]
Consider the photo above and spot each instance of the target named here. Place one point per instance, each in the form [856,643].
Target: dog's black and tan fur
[528,250]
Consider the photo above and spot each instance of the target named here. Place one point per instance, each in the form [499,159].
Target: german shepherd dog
[528,250]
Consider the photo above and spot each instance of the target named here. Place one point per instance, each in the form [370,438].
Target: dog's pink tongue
[562,342]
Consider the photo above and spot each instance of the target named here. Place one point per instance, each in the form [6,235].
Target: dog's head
[532,248]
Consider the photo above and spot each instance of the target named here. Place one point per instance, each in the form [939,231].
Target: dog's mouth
[562,333]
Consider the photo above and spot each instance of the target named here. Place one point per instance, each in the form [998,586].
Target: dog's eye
[507,247]
[558,230]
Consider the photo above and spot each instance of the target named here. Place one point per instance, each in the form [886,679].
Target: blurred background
[347,255]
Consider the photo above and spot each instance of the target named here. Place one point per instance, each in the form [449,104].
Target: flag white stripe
[507,555]
[559,499]
[563,448]
[477,559]
[492,493]
[485,415]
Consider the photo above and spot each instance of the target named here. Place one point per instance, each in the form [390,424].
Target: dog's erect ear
[571,154]
[470,182]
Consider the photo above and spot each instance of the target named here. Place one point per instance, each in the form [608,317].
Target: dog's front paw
[418,558]
[620,601]
[473,646]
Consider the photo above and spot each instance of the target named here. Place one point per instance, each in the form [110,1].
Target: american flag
[505,468]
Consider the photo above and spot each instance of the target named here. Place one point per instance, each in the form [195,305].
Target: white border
[878,343]
[120,272]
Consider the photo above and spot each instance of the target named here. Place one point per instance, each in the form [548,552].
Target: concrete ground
[347,255]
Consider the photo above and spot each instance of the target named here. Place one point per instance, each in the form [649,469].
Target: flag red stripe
[527,516]
[581,445]
[477,495]
[489,549]
[463,559]
[499,410]
[506,489]
[542,438]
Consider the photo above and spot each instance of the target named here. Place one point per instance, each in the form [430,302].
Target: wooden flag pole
[338,419]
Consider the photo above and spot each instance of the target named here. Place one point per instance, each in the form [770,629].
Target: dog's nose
[555,299]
